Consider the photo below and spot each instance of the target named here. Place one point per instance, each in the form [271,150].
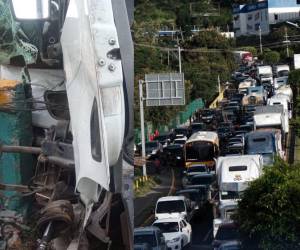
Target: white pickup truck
[271,116]
[265,73]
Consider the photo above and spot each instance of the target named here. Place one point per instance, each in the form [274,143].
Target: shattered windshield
[14,42]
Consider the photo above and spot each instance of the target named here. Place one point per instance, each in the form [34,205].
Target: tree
[253,50]
[270,208]
[272,57]
[294,80]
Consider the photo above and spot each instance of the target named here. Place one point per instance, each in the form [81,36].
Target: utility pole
[287,43]
[260,41]
[142,125]
[179,58]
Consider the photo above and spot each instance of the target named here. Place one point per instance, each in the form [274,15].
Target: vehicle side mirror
[31,9]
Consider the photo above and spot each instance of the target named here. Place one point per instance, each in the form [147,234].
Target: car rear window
[170,207]
[147,237]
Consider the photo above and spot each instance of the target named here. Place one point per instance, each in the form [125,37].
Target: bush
[270,208]
[272,57]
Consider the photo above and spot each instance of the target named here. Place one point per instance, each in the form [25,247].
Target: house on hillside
[250,19]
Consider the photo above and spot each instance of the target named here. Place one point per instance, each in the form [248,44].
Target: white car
[173,207]
[177,232]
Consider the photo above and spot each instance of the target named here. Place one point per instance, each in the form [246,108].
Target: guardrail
[219,98]
[140,181]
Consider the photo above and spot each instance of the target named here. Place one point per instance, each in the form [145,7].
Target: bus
[202,148]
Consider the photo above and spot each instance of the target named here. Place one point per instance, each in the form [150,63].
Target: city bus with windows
[202,148]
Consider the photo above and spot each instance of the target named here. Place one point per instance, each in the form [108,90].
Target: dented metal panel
[88,37]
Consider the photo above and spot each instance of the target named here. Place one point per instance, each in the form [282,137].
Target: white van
[173,207]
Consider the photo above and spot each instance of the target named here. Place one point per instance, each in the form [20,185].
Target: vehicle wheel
[181,245]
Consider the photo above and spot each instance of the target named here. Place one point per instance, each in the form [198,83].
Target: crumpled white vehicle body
[93,78]
[41,80]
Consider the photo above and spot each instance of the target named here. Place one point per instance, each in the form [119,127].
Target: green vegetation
[201,68]
[272,57]
[269,212]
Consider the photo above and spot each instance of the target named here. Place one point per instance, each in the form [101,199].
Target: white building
[248,18]
[283,10]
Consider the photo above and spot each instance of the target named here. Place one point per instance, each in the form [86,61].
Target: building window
[95,133]
[276,16]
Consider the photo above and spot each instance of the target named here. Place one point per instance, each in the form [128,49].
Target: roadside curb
[171,191]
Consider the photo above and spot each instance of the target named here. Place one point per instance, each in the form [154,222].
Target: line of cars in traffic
[228,148]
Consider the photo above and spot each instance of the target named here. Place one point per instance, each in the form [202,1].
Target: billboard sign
[165,89]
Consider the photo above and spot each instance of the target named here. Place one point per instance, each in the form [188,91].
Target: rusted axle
[20,149]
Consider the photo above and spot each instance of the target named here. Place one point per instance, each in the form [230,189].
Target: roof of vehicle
[268,109]
[181,139]
[167,220]
[268,119]
[260,140]
[247,167]
[204,136]
[171,198]
[148,229]
[280,98]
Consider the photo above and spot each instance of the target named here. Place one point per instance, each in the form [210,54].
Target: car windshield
[161,137]
[151,144]
[182,131]
[201,151]
[223,130]
[181,142]
[283,73]
[227,233]
[231,195]
[207,113]
[170,207]
[193,196]
[195,169]
[202,180]
[148,238]
[197,127]
[167,227]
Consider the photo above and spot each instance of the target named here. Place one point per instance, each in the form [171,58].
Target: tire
[182,246]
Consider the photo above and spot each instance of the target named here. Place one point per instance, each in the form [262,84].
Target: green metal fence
[180,119]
